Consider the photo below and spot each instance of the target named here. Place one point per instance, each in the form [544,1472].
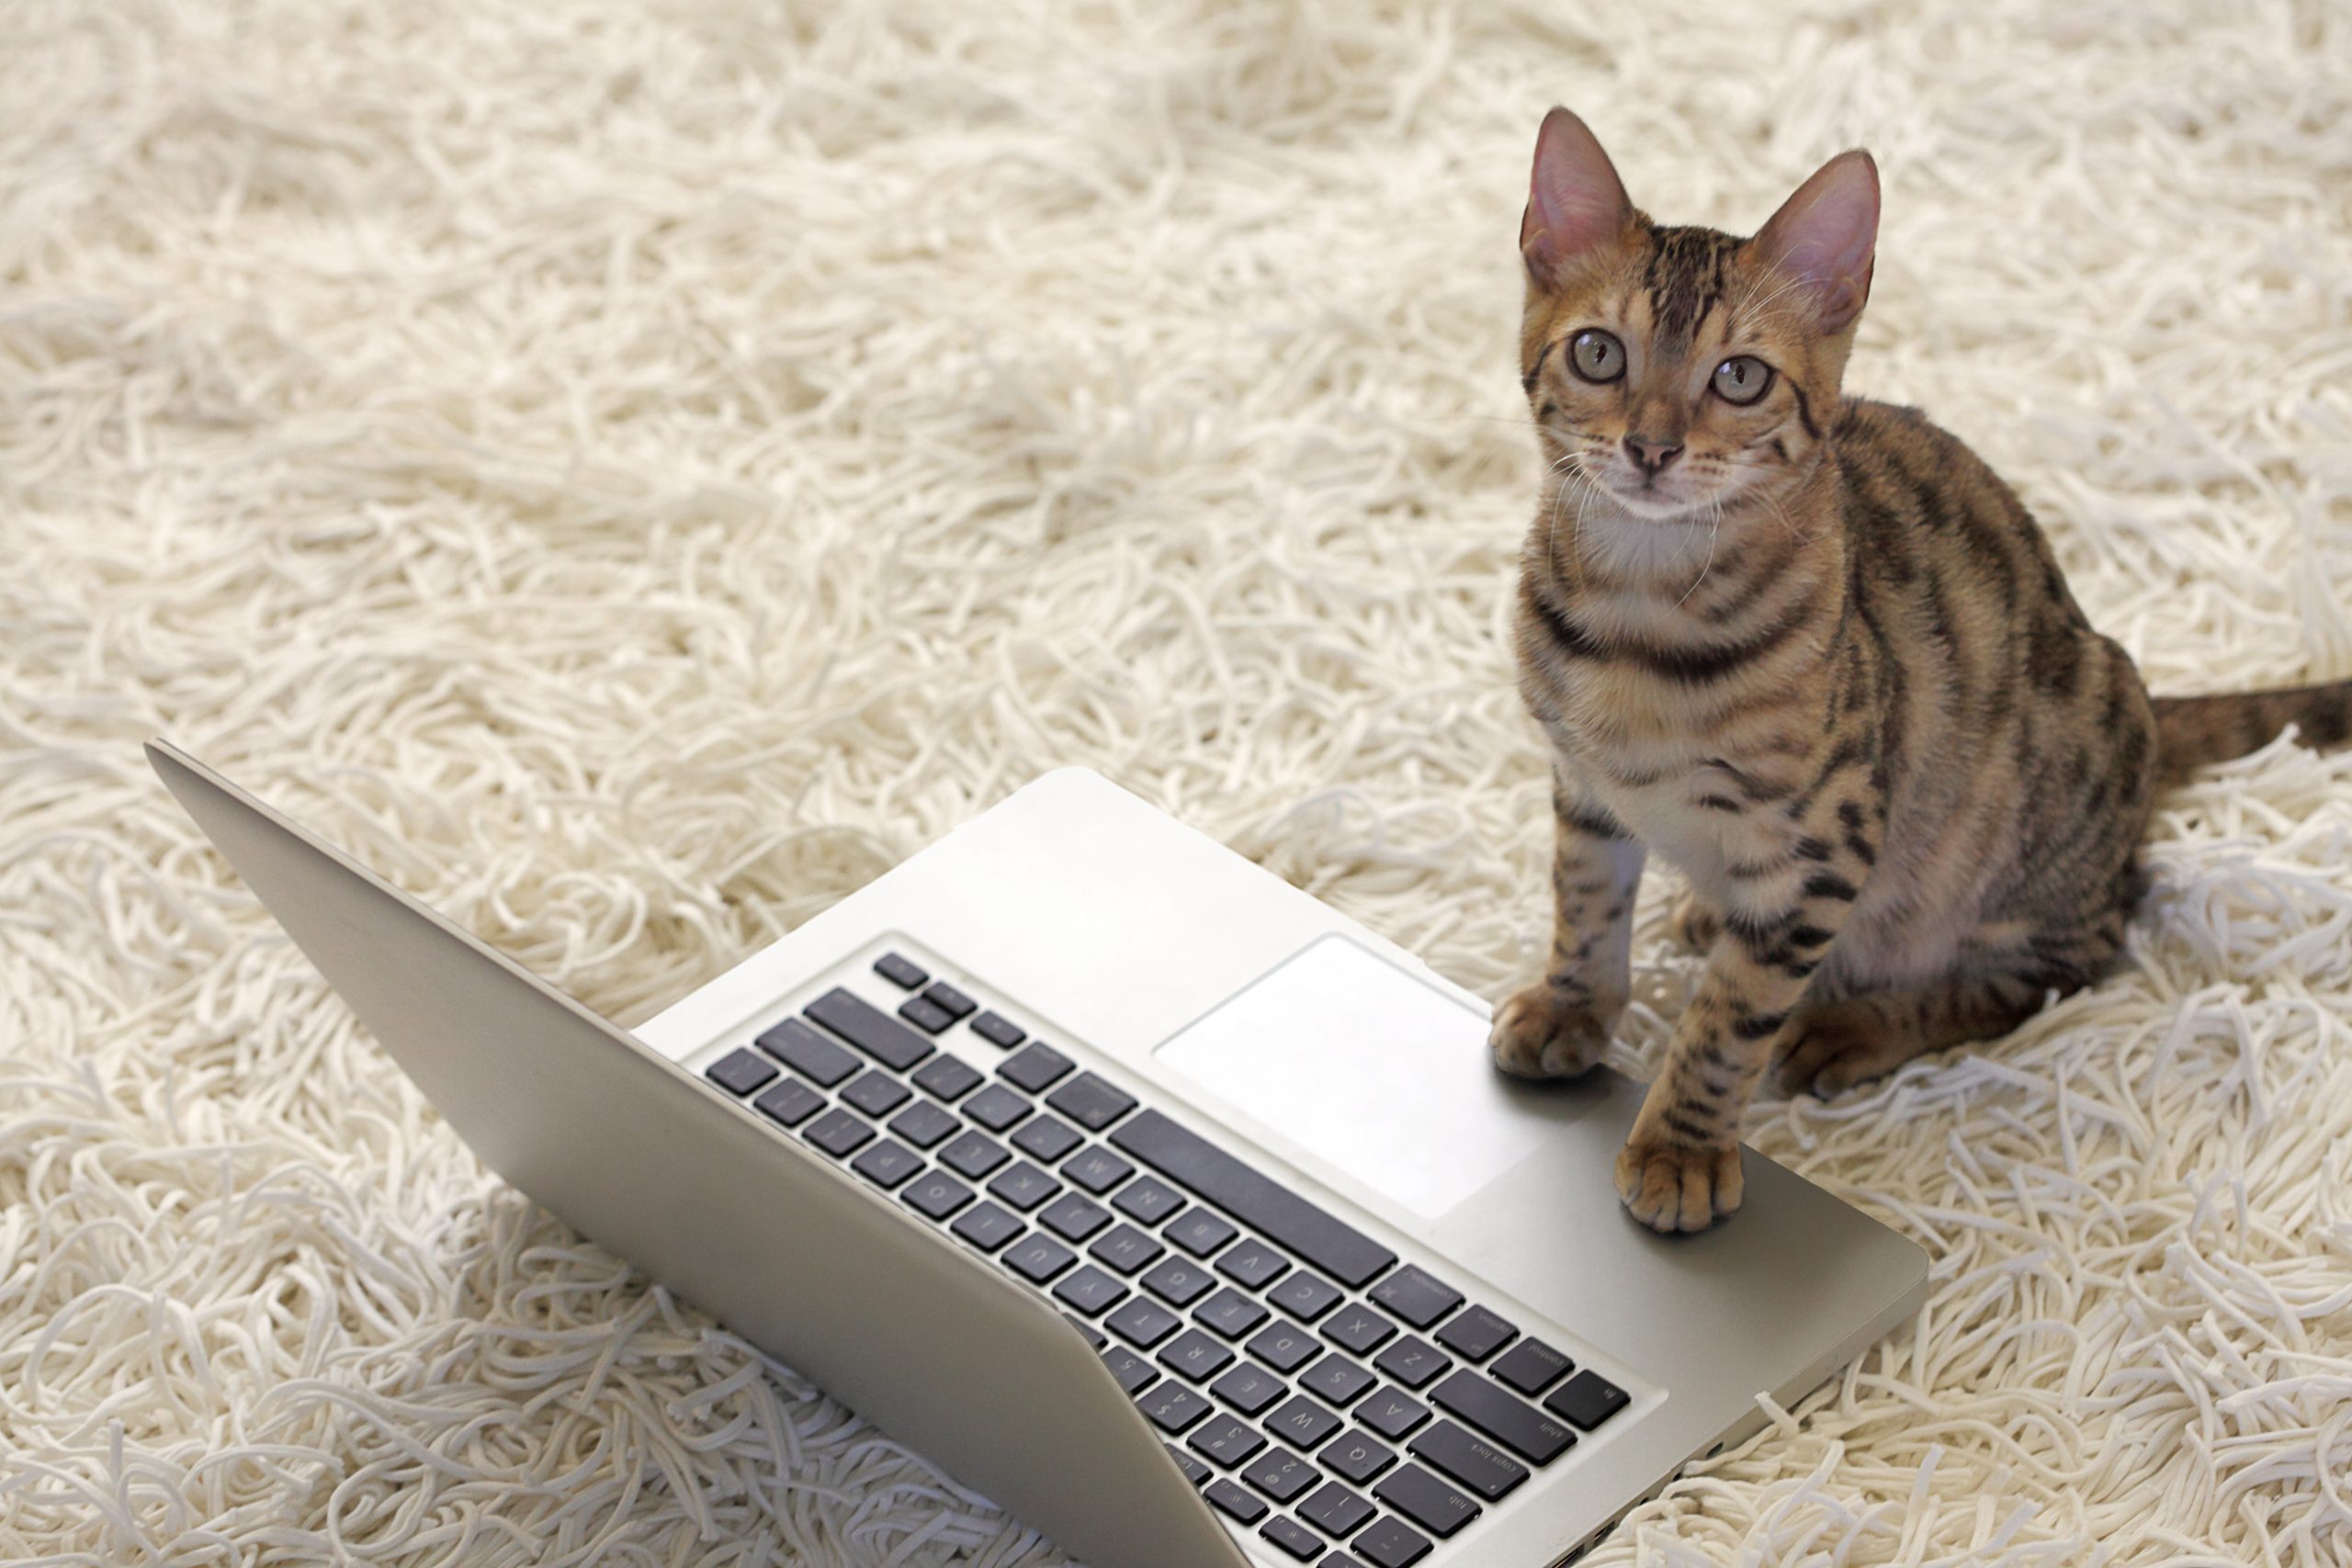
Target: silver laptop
[1144,1193]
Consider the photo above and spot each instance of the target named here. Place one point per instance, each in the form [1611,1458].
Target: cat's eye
[1597,356]
[1742,379]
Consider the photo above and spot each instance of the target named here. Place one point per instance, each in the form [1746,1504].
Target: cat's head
[1682,370]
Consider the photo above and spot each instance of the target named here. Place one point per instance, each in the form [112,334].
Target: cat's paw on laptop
[1548,1031]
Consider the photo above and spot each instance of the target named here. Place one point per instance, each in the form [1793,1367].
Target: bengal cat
[1815,652]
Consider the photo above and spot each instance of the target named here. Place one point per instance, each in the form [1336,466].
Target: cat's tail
[2193,731]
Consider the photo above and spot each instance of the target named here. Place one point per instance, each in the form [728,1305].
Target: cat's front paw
[1546,1032]
[1671,1186]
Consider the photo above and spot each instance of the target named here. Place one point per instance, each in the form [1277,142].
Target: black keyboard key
[1037,1259]
[1470,1459]
[1413,1362]
[1336,1511]
[1283,1345]
[1336,1381]
[1359,1329]
[1303,1422]
[1476,1334]
[1126,1249]
[923,1124]
[839,1133]
[790,1102]
[924,1016]
[1354,1455]
[949,1001]
[902,972]
[1194,1471]
[1292,1536]
[1036,1069]
[1245,1506]
[1047,1138]
[1134,1374]
[877,1033]
[999,1031]
[1144,1323]
[947,1077]
[1252,1263]
[1098,1171]
[1200,1232]
[1420,1299]
[1468,1397]
[987,1227]
[1194,1357]
[1223,1442]
[1074,1218]
[1087,1332]
[1230,1313]
[1172,1407]
[973,1155]
[1023,1187]
[1089,1291]
[1587,1399]
[741,1072]
[1249,1388]
[1530,1366]
[936,1195]
[1304,1296]
[1147,1201]
[1090,1102]
[996,1108]
[886,1164]
[1179,1282]
[1281,1474]
[1389,1544]
[1392,1413]
[822,1061]
[877,1094]
[1281,1216]
[1427,1501]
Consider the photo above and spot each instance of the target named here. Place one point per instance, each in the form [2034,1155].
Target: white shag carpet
[633,472]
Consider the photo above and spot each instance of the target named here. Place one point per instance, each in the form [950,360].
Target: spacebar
[1274,1211]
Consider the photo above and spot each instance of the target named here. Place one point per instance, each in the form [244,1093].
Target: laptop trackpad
[1369,1067]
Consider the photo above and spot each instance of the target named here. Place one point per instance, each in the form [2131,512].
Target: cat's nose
[1653,457]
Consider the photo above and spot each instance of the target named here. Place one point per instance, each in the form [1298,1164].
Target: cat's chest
[1673,795]
[1698,790]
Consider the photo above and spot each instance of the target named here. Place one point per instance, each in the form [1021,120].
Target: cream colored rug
[632,473]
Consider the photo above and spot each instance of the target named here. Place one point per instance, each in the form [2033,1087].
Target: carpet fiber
[633,473]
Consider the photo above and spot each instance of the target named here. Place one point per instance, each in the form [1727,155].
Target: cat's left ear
[1826,236]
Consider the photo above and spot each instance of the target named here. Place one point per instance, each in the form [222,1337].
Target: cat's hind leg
[1838,1044]
[1844,1038]
[1695,923]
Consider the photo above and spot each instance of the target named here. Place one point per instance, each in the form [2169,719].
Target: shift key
[1279,1214]
[880,1036]
[1471,1461]
[1502,1415]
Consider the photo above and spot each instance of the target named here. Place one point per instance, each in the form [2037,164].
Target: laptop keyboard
[1352,1408]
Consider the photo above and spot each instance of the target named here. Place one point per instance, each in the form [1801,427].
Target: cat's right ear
[1576,204]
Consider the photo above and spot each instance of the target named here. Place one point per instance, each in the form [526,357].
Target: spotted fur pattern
[1831,671]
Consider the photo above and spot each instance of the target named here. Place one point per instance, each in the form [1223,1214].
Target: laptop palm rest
[930,1345]
[1372,1069]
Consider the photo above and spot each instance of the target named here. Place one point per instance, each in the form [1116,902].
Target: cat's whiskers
[1764,495]
[1714,532]
[1591,486]
[1786,284]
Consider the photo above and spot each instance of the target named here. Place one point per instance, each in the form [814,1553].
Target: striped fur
[1827,666]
